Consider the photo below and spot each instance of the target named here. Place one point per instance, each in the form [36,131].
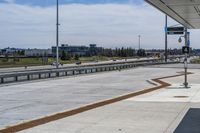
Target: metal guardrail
[88,65]
[53,73]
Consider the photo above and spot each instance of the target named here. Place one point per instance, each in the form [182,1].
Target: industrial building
[78,50]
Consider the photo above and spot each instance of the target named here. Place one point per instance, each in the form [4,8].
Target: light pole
[139,37]
[57,34]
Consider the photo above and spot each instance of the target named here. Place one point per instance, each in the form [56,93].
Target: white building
[38,52]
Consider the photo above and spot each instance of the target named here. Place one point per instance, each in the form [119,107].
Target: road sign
[175,30]
[186,50]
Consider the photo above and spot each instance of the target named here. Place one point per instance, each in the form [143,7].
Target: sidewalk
[156,112]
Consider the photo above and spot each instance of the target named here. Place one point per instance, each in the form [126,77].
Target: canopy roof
[186,12]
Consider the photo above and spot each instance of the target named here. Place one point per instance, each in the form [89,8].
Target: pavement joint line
[59,115]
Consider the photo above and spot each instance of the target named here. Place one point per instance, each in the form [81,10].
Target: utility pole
[57,34]
[166,47]
[139,42]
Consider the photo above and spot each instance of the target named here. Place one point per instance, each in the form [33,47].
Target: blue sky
[108,23]
[53,2]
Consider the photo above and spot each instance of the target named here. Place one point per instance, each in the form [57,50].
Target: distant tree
[141,52]
[119,52]
[76,57]
[22,52]
[68,56]
[122,52]
[63,55]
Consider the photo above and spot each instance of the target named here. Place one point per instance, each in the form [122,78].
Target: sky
[107,23]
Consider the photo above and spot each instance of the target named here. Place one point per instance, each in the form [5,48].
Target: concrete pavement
[22,102]
[54,95]
[160,111]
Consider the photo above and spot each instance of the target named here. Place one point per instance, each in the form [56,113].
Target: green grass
[196,61]
[21,62]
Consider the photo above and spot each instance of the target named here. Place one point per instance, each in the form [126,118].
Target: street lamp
[57,34]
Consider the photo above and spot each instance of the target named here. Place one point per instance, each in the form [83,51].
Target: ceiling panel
[186,12]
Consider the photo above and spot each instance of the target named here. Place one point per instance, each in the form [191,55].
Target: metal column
[166,51]
[185,60]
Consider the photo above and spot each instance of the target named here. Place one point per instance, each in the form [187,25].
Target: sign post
[186,52]
[185,49]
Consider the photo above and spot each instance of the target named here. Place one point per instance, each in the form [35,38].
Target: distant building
[77,50]
[38,52]
[11,51]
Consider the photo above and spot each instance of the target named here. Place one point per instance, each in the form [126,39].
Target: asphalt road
[16,69]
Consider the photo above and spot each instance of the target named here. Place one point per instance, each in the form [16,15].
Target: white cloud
[10,1]
[108,25]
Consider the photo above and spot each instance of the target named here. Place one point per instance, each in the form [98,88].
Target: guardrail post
[28,77]
[39,76]
[2,80]
[16,78]
[57,74]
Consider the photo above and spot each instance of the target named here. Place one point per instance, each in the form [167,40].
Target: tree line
[108,52]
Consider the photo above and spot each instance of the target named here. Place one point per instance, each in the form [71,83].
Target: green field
[196,61]
[21,62]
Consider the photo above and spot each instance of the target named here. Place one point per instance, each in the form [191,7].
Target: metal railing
[70,71]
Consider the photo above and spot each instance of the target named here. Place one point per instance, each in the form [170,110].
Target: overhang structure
[186,12]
